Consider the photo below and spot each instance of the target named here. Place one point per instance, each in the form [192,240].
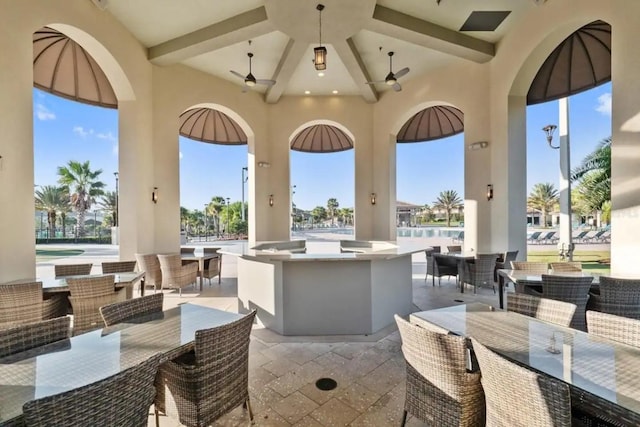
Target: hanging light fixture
[320,52]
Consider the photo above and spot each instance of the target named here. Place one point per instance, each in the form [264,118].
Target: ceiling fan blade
[397,87]
[237,74]
[402,72]
[375,82]
[265,82]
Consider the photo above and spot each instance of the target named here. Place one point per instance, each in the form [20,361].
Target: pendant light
[320,52]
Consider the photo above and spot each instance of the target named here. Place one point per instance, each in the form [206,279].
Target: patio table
[530,277]
[200,257]
[90,357]
[603,375]
[460,258]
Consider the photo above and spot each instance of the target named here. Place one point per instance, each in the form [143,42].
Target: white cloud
[180,155]
[43,113]
[82,132]
[604,104]
[109,136]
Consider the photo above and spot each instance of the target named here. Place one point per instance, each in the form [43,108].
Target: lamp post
[206,231]
[565,244]
[292,191]
[244,179]
[115,219]
[228,219]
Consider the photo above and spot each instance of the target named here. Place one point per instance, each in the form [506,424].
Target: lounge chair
[534,237]
[459,237]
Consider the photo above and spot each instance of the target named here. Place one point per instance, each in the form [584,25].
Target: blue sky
[66,130]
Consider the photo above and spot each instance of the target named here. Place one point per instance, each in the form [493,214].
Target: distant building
[406,213]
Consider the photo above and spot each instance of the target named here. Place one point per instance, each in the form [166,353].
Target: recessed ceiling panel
[484,20]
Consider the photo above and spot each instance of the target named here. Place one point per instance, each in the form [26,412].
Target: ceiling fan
[392,78]
[249,79]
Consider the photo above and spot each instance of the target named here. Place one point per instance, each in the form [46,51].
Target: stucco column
[383,214]
[17,238]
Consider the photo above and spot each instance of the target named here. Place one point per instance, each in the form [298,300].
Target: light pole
[115,220]
[41,223]
[228,219]
[565,243]
[292,191]
[244,179]
[206,234]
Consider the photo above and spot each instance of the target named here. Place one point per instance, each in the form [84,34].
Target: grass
[51,254]
[594,261]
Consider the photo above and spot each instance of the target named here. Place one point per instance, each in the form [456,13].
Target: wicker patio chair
[558,312]
[617,296]
[201,386]
[439,390]
[152,272]
[130,309]
[22,302]
[212,266]
[444,266]
[118,267]
[569,289]
[174,274]
[517,397]
[480,271]
[505,262]
[454,248]
[17,339]
[88,294]
[122,399]
[617,328]
[63,270]
[566,266]
[534,267]
[431,264]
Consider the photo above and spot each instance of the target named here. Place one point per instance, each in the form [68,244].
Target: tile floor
[369,370]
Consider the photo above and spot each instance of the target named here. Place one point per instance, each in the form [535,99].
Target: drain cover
[326,384]
[458,300]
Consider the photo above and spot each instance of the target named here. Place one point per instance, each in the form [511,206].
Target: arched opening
[322,190]
[210,210]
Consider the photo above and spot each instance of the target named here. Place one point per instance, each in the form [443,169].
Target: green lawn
[596,261]
[51,254]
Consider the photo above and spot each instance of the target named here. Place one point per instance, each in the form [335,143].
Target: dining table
[460,258]
[200,257]
[96,355]
[603,375]
[535,278]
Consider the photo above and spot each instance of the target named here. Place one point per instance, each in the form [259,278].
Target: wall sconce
[478,145]
[489,191]
[373,198]
[154,195]
[271,200]
[264,164]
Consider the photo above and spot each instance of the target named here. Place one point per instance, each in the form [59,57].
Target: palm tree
[543,197]
[447,201]
[83,186]
[50,199]
[108,203]
[332,205]
[214,208]
[594,176]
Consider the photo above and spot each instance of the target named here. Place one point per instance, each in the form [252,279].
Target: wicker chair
[617,296]
[176,275]
[213,266]
[558,312]
[201,386]
[534,267]
[454,248]
[122,399]
[72,270]
[431,264]
[130,309]
[21,338]
[516,396]
[480,271]
[566,267]
[569,289]
[88,294]
[504,262]
[444,266]
[152,272]
[22,302]
[440,390]
[118,267]
[613,327]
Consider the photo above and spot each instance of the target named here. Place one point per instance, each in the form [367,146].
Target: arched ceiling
[432,123]
[581,62]
[212,36]
[212,126]
[62,67]
[321,139]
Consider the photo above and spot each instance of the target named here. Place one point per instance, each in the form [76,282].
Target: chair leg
[404,418]
[248,405]
[155,410]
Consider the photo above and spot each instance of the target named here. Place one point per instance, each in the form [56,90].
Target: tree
[543,197]
[51,199]
[594,176]
[214,209]
[108,203]
[332,205]
[319,213]
[83,187]
[448,200]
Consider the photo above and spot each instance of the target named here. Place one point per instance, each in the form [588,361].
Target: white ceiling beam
[351,59]
[423,33]
[293,53]
[239,28]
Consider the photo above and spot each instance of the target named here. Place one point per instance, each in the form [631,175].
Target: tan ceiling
[212,36]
